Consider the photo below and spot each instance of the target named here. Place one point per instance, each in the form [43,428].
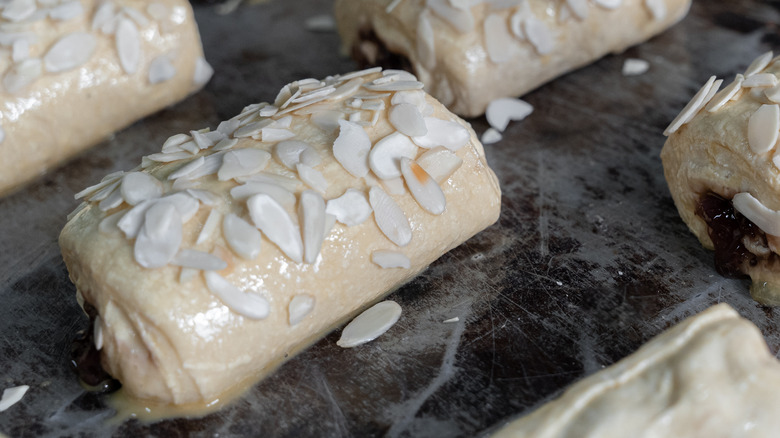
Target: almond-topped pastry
[471,52]
[722,164]
[73,72]
[712,375]
[232,248]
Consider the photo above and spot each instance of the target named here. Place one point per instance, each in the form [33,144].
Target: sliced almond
[277,225]
[389,217]
[251,305]
[311,210]
[386,155]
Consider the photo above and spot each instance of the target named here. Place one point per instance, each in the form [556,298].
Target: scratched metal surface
[588,261]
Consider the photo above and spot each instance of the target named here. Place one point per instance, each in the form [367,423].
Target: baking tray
[588,261]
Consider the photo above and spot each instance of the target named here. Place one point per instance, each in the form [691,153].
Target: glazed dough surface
[175,341]
[457,66]
[57,114]
[710,376]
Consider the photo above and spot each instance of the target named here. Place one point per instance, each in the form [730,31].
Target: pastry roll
[233,248]
[710,376]
[470,52]
[721,163]
[72,72]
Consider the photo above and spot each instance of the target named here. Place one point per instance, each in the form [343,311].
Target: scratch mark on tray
[447,369]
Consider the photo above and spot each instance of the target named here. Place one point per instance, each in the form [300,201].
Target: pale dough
[712,153]
[469,53]
[52,110]
[709,376]
[167,337]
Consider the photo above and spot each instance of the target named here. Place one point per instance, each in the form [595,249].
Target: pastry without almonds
[710,376]
[74,71]
[723,169]
[231,249]
[470,52]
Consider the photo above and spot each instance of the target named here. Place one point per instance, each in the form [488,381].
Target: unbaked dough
[72,72]
[721,164]
[235,248]
[470,52]
[710,376]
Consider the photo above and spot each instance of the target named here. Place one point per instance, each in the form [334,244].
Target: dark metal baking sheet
[588,260]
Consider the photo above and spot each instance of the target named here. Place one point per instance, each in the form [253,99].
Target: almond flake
[251,305]
[311,210]
[112,201]
[764,80]
[390,259]
[766,219]
[439,163]
[725,94]
[160,236]
[503,110]
[384,158]
[188,168]
[635,67]
[277,225]
[460,19]
[205,197]
[212,222]
[389,217]
[759,64]
[312,177]
[109,224]
[351,148]
[242,162]
[18,10]
[139,186]
[272,178]
[580,8]
[161,69]
[203,72]
[292,152]
[396,86]
[763,128]
[426,43]
[449,134]
[608,4]
[657,8]
[12,396]
[426,190]
[276,134]
[283,196]
[69,52]
[225,144]
[128,45]
[300,306]
[491,136]
[194,259]
[498,40]
[693,107]
[350,209]
[346,89]
[244,239]
[406,118]
[22,74]
[370,324]
[539,35]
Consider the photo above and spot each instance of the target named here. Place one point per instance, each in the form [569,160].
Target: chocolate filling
[371,51]
[85,358]
[729,230]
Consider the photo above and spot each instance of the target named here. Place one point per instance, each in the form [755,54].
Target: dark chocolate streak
[727,229]
[384,57]
[85,358]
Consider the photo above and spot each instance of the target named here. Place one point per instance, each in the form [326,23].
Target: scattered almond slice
[311,210]
[501,111]
[725,95]
[389,217]
[390,259]
[426,190]
[491,136]
[407,119]
[312,177]
[447,133]
[693,107]
[244,239]
[352,147]
[763,128]
[759,64]
[635,67]
[139,186]
[370,324]
[242,162]
[283,196]
[12,396]
[160,236]
[350,209]
[211,224]
[384,158]
[760,80]
[277,225]
[292,152]
[498,40]
[440,163]
[251,305]
[300,306]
